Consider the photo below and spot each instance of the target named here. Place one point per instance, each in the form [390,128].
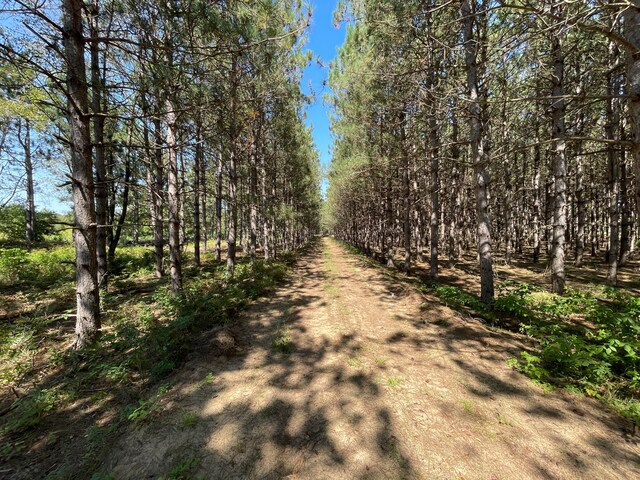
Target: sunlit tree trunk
[84,215]
[478,157]
[559,158]
[173,202]
[631,19]
[101,195]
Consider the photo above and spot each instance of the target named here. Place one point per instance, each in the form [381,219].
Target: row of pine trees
[508,127]
[180,120]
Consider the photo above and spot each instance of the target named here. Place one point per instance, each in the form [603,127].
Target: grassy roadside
[55,399]
[587,341]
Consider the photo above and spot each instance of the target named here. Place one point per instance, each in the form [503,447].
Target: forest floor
[345,372]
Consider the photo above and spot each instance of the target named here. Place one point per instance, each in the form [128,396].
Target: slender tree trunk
[265,205]
[219,209]
[115,240]
[536,203]
[559,159]
[136,213]
[175,256]
[631,19]
[625,227]
[101,196]
[406,200]
[84,215]
[196,196]
[158,199]
[30,210]
[434,187]
[232,227]
[253,199]
[389,226]
[478,157]
[203,200]
[611,132]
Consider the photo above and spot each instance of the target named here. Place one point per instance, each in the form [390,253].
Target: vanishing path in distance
[347,373]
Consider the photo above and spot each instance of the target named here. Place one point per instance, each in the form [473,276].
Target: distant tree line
[507,127]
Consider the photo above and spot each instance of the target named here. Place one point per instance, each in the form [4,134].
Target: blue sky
[324,39]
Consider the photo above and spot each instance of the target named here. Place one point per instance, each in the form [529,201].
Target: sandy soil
[381,382]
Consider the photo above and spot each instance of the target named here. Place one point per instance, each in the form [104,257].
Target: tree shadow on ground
[286,404]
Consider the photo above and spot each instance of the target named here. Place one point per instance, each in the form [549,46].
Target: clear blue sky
[324,39]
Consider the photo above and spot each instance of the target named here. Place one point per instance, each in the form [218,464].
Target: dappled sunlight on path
[346,373]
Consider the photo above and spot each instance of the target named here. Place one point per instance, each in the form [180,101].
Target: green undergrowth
[586,341]
[147,333]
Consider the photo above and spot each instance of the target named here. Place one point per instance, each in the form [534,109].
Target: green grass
[354,362]
[184,469]
[190,419]
[148,331]
[282,341]
[394,382]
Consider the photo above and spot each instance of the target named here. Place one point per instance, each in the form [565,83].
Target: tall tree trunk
[389,225]
[219,209]
[136,212]
[536,203]
[434,187]
[30,210]
[580,200]
[625,227]
[631,19]
[265,205]
[559,159]
[253,198]
[203,200]
[196,195]
[158,197]
[175,256]
[478,157]
[611,132]
[406,200]
[115,239]
[84,215]
[101,196]
[232,228]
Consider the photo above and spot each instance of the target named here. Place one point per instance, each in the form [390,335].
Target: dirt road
[344,373]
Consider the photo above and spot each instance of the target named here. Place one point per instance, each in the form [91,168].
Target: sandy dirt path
[380,382]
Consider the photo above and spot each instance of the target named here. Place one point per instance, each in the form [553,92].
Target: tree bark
[631,19]
[84,215]
[219,209]
[611,132]
[232,227]
[253,199]
[30,208]
[559,159]
[101,195]
[478,157]
[175,256]
[196,196]
[434,187]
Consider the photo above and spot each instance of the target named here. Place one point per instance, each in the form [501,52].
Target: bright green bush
[589,341]
[41,267]
[12,224]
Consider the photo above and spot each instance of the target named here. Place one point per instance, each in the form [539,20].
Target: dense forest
[177,122]
[527,114]
[218,302]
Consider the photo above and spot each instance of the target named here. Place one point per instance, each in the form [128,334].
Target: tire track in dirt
[379,382]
